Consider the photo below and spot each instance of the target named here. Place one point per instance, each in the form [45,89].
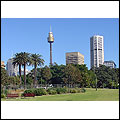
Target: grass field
[89,95]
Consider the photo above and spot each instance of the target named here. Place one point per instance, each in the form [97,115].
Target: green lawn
[89,95]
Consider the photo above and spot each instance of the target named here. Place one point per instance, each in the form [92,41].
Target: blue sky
[70,35]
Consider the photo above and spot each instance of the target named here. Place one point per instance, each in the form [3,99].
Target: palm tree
[26,61]
[36,61]
[18,60]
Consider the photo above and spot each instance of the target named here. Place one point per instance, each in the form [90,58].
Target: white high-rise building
[96,50]
[11,70]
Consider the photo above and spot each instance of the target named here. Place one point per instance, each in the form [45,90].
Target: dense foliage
[59,75]
[4,77]
[8,80]
[107,77]
[24,59]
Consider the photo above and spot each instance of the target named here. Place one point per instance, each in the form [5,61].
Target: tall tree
[36,60]
[57,73]
[46,74]
[106,77]
[29,79]
[18,60]
[84,74]
[92,79]
[26,61]
[4,77]
[114,78]
[69,74]
[77,77]
[117,74]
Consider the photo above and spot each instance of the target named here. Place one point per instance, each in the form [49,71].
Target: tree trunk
[68,84]
[35,76]
[24,76]
[41,81]
[20,74]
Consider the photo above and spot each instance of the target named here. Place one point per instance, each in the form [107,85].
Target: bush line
[53,91]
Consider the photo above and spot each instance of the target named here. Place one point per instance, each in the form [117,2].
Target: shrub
[64,90]
[29,91]
[36,91]
[3,96]
[67,89]
[40,91]
[73,91]
[61,90]
[26,92]
[52,91]
[49,89]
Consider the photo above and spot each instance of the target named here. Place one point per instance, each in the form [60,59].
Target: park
[90,95]
[71,82]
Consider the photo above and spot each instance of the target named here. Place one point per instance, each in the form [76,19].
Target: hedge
[53,91]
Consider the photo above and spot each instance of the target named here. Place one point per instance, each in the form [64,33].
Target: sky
[70,35]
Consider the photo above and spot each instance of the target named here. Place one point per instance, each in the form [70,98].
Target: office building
[96,51]
[11,69]
[110,64]
[74,58]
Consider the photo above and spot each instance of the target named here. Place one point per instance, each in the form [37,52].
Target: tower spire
[50,28]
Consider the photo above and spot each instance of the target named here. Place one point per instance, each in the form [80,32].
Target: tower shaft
[50,53]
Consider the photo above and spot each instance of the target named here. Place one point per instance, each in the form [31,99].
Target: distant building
[11,70]
[2,64]
[96,51]
[110,64]
[74,58]
[22,71]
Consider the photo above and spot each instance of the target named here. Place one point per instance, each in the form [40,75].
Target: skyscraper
[11,70]
[96,50]
[74,58]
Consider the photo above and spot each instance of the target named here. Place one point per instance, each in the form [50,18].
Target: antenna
[50,28]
